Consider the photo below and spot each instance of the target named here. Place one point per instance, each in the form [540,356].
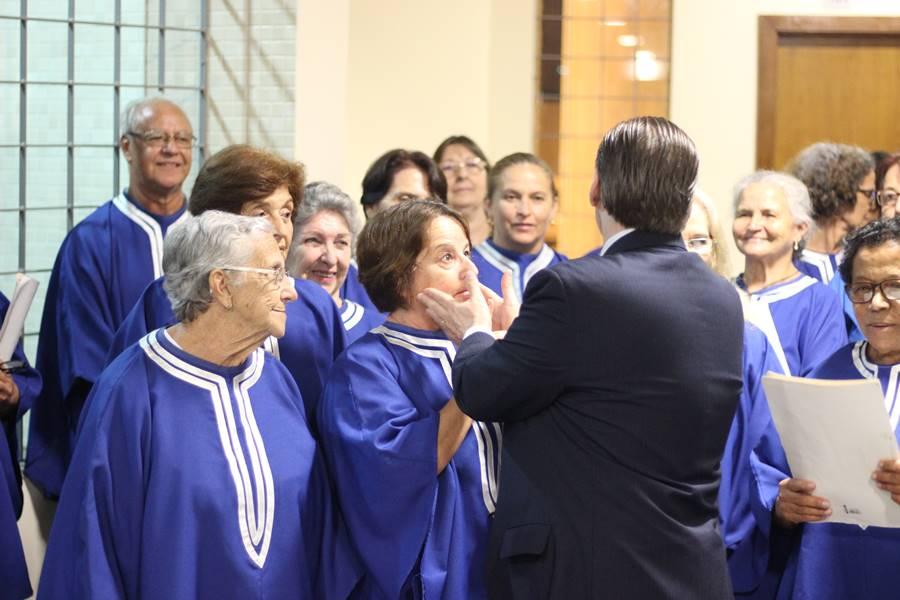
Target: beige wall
[408,74]
[713,93]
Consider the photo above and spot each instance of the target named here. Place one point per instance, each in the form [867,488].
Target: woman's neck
[826,238]
[479,226]
[215,339]
[760,274]
[886,359]
[412,317]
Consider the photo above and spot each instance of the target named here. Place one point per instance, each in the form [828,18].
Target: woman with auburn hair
[245,180]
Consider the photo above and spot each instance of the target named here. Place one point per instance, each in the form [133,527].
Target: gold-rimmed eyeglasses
[275,276]
[471,167]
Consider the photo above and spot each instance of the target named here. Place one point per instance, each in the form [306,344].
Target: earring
[796,246]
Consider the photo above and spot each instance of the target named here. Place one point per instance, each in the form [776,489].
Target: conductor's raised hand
[454,316]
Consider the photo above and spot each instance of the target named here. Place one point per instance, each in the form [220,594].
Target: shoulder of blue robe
[314,337]
[124,527]
[354,290]
[358,320]
[823,330]
[747,546]
[100,270]
[151,311]
[381,449]
[854,334]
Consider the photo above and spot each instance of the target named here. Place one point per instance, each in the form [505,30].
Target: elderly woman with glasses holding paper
[833,560]
[195,473]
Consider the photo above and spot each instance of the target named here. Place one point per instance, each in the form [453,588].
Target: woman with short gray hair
[800,316]
[325,231]
[195,473]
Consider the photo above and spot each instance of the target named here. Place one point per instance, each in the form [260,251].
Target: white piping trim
[254,522]
[351,314]
[820,261]
[149,226]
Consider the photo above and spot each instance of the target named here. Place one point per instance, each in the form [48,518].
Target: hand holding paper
[834,434]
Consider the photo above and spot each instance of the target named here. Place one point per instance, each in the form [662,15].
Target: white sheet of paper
[835,433]
[14,321]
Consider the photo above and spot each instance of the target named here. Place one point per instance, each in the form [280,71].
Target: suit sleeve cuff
[477,329]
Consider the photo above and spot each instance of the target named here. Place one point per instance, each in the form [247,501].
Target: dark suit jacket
[617,385]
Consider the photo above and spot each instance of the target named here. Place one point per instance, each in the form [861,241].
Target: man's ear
[126,147]
[594,194]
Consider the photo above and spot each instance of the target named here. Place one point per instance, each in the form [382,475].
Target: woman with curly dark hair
[841,183]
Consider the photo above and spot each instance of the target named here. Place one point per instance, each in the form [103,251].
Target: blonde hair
[719,261]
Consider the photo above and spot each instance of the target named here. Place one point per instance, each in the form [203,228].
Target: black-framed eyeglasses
[159,139]
[870,194]
[887,198]
[275,276]
[472,166]
[862,293]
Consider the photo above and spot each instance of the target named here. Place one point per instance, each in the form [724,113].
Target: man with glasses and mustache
[102,266]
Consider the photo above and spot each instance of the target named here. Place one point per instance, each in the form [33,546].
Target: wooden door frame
[771,28]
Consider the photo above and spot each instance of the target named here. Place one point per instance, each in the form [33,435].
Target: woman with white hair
[325,230]
[801,317]
[195,473]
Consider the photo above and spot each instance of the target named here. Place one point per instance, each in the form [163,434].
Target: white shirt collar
[612,240]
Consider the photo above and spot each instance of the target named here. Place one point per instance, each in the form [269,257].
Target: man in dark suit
[616,384]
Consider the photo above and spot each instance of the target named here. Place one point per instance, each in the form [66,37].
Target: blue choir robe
[854,333]
[313,338]
[194,480]
[833,560]
[354,291]
[802,319]
[746,546]
[819,265]
[13,570]
[358,319]
[100,270]
[419,534]
[492,261]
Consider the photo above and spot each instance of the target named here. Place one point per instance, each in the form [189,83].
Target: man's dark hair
[647,168]
[240,173]
[389,246]
[872,234]
[380,176]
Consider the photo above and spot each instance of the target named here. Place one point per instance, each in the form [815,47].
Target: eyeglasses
[862,293]
[886,198]
[699,245]
[275,276]
[470,167]
[158,139]
[870,194]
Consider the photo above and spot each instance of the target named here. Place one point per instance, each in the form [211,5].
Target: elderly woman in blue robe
[834,560]
[195,473]
[415,477]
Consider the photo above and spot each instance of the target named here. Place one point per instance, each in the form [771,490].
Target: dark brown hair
[876,233]
[380,175]
[882,167]
[389,245]
[832,173]
[241,173]
[647,168]
[464,141]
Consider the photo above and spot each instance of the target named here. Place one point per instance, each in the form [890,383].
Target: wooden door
[827,79]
